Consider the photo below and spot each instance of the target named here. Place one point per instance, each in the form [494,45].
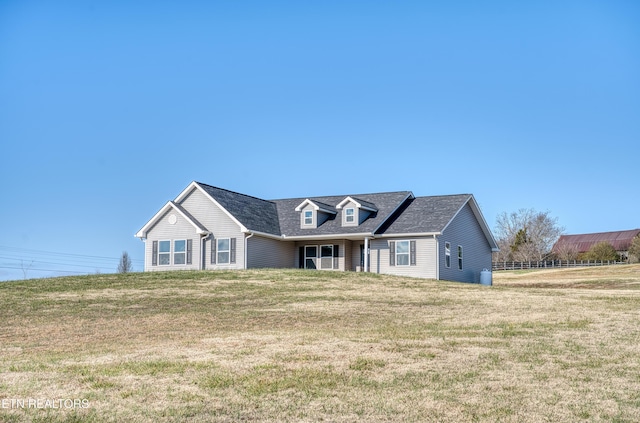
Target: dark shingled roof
[386,203]
[621,240]
[426,214]
[254,213]
[365,203]
[397,212]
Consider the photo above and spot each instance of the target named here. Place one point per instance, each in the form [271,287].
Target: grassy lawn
[290,345]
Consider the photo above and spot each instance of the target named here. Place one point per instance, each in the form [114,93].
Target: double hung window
[223,250]
[308,217]
[349,215]
[164,253]
[402,253]
[179,251]
[326,257]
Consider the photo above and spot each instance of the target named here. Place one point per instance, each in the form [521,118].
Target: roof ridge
[342,195]
[605,232]
[443,195]
[234,192]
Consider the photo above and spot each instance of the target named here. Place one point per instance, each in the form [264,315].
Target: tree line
[529,235]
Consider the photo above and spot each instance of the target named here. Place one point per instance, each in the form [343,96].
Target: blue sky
[110,109]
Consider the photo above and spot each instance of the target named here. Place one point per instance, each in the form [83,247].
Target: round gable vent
[172,219]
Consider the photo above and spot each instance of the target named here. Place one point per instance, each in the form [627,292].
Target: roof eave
[408,234]
[353,236]
[142,233]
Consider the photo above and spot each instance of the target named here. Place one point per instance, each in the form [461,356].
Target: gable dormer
[355,211]
[314,213]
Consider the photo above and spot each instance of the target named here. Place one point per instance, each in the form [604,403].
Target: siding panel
[465,230]
[266,252]
[218,223]
[425,255]
[164,230]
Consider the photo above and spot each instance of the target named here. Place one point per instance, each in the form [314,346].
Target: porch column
[366,255]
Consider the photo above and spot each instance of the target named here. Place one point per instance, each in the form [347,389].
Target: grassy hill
[290,345]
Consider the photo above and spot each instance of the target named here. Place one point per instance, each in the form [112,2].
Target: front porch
[335,254]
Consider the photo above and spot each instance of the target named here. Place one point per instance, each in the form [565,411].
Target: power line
[44,270]
[15,250]
[49,262]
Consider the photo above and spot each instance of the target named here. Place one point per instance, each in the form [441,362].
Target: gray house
[438,237]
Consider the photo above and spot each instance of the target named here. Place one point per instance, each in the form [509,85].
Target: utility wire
[15,250]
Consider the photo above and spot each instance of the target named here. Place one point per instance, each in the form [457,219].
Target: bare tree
[566,251]
[25,269]
[529,234]
[124,266]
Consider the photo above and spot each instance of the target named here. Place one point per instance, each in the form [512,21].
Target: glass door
[310,256]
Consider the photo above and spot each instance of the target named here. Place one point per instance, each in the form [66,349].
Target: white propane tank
[485,277]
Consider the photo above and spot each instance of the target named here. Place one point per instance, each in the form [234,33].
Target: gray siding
[218,223]
[425,257]
[165,231]
[348,256]
[464,230]
[266,252]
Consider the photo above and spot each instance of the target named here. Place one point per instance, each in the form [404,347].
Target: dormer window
[350,215]
[313,213]
[308,217]
[355,211]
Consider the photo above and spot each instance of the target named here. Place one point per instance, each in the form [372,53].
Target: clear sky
[108,109]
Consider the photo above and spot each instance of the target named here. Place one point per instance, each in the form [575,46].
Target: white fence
[549,264]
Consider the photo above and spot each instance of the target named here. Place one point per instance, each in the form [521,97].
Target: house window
[460,257]
[402,253]
[223,250]
[447,254]
[308,217]
[326,257]
[349,215]
[164,253]
[179,251]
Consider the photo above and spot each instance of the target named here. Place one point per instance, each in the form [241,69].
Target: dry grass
[287,345]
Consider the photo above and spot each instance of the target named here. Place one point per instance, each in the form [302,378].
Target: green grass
[291,345]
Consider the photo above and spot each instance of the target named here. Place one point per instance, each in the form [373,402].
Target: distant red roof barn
[621,240]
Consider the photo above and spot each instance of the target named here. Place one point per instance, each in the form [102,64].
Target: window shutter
[189,250]
[232,252]
[301,258]
[154,252]
[336,255]
[392,253]
[213,250]
[412,253]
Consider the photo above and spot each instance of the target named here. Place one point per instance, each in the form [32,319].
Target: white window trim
[160,241]
[304,217]
[174,252]
[347,215]
[408,253]
[317,247]
[460,258]
[218,251]
[321,257]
